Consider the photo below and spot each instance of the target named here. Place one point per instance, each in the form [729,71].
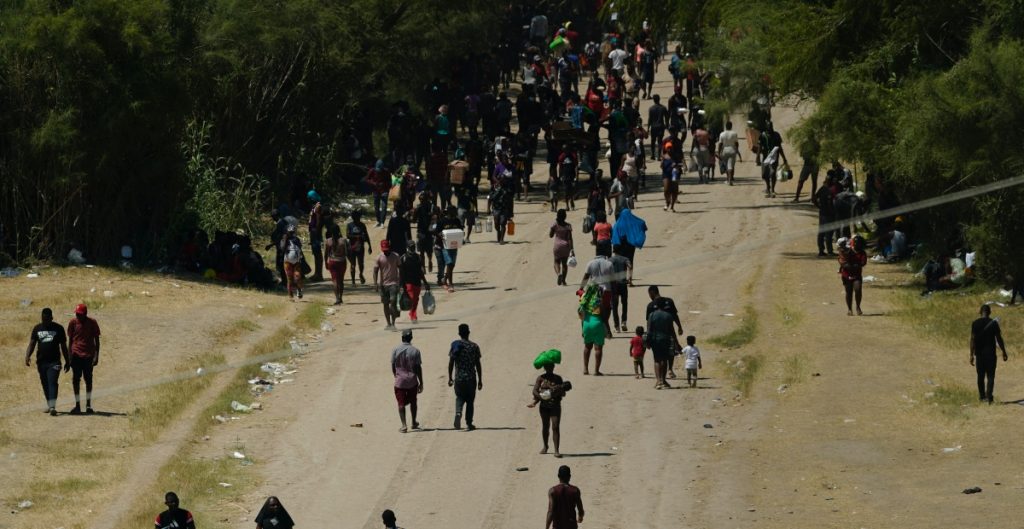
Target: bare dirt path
[631,448]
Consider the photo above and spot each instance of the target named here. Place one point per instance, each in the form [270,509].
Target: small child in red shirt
[637,347]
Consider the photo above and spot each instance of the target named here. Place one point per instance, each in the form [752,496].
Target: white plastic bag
[572,260]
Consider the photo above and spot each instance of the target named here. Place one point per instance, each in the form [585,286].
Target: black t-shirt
[399,233]
[48,338]
[665,303]
[178,519]
[410,270]
[984,331]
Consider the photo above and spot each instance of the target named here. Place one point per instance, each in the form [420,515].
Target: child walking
[636,350]
[693,361]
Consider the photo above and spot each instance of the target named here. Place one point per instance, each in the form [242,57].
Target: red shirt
[603,231]
[636,347]
[854,267]
[82,337]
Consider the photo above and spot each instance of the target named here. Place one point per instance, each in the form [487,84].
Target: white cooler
[452,239]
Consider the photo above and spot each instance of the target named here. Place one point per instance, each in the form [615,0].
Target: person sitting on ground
[1015,287]
[273,515]
[956,273]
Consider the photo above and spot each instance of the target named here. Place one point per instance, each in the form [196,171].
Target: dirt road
[843,428]
[631,447]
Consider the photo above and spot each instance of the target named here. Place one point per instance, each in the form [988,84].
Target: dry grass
[168,399]
[945,317]
[790,317]
[742,335]
[794,369]
[193,478]
[232,331]
[744,372]
[954,401]
[196,479]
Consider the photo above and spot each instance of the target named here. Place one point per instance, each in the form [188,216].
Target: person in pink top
[408,371]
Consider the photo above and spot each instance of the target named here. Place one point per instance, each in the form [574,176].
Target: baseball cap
[407,333]
[385,245]
[81,309]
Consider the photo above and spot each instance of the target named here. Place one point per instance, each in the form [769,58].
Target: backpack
[292,254]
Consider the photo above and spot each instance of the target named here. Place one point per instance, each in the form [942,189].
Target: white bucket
[452,239]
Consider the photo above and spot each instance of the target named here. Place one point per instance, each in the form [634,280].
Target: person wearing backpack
[291,247]
[676,69]
[413,279]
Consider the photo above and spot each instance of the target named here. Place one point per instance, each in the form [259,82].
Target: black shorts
[81,366]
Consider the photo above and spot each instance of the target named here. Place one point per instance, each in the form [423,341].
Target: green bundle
[551,356]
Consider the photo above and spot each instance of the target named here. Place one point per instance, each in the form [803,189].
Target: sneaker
[300,293]
[458,422]
[470,427]
[53,412]
[89,410]
[75,411]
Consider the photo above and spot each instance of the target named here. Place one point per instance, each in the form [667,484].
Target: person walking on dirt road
[548,391]
[387,281]
[291,246]
[985,336]
[851,268]
[662,341]
[464,359]
[670,307]
[174,517]
[53,344]
[388,517]
[413,280]
[335,251]
[357,236]
[408,371]
[84,341]
[561,232]
[273,515]
[565,503]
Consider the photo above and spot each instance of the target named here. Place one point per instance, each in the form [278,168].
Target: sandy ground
[839,448]
[851,443]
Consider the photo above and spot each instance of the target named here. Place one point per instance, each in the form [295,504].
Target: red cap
[385,245]
[81,309]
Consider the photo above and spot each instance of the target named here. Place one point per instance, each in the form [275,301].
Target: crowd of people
[460,172]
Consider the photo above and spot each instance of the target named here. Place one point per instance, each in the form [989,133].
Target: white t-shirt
[729,139]
[618,58]
[692,355]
